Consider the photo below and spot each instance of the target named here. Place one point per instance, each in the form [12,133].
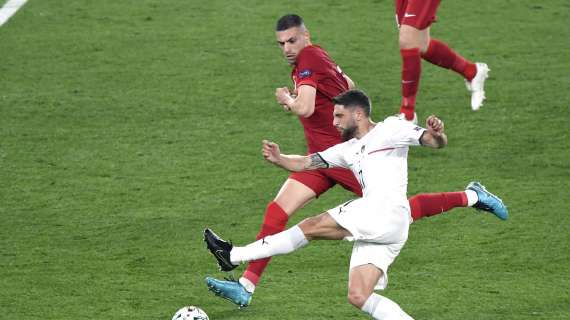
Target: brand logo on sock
[407,81]
[408,15]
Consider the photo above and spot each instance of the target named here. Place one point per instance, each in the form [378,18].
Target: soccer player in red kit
[414,18]
[317,81]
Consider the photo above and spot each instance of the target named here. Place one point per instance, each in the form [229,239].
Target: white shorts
[379,231]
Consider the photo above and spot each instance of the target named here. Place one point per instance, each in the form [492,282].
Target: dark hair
[354,98]
[289,21]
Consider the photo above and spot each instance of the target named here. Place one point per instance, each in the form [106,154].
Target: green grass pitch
[126,127]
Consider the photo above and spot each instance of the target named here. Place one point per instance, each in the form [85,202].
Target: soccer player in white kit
[377,223]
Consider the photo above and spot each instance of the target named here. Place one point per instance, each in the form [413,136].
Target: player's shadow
[230,313]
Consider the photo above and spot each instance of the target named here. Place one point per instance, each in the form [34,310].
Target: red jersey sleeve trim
[309,82]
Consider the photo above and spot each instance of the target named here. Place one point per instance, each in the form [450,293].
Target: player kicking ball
[317,80]
[377,223]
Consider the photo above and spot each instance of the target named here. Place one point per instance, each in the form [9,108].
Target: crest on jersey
[305,74]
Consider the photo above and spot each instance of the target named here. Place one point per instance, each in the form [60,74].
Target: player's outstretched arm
[271,153]
[303,104]
[434,137]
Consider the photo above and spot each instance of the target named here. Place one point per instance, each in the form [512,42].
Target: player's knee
[406,43]
[357,298]
[293,196]
[411,38]
[408,40]
[285,204]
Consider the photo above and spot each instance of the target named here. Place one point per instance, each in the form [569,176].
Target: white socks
[382,308]
[280,243]
[472,197]
[247,284]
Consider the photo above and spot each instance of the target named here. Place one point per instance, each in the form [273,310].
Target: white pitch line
[9,9]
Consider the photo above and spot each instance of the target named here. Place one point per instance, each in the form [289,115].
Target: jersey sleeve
[405,133]
[334,156]
[309,67]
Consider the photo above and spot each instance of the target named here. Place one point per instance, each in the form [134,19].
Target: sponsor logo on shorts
[341,209]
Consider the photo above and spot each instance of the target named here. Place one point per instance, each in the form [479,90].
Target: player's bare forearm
[436,142]
[298,163]
[300,108]
[292,162]
[302,104]
[434,137]
[271,152]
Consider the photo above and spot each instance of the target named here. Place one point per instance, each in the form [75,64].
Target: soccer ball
[190,313]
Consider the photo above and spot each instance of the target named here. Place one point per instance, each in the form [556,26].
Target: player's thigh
[411,37]
[301,188]
[323,227]
[294,195]
[361,282]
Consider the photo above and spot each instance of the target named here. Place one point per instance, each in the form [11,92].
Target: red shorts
[323,179]
[419,14]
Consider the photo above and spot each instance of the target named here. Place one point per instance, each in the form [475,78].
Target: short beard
[348,133]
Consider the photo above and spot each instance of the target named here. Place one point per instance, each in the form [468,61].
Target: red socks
[431,204]
[274,222]
[422,205]
[442,55]
[411,70]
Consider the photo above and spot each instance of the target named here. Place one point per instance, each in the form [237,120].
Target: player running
[414,18]
[377,223]
[317,81]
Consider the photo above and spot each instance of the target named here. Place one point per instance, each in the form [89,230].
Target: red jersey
[315,68]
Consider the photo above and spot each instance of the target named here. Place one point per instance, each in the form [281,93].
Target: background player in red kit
[414,19]
[317,81]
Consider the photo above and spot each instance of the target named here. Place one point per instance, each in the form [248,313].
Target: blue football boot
[488,201]
[230,290]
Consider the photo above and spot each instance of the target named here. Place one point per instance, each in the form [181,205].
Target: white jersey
[379,159]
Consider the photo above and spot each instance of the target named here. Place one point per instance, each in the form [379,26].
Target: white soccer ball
[190,313]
